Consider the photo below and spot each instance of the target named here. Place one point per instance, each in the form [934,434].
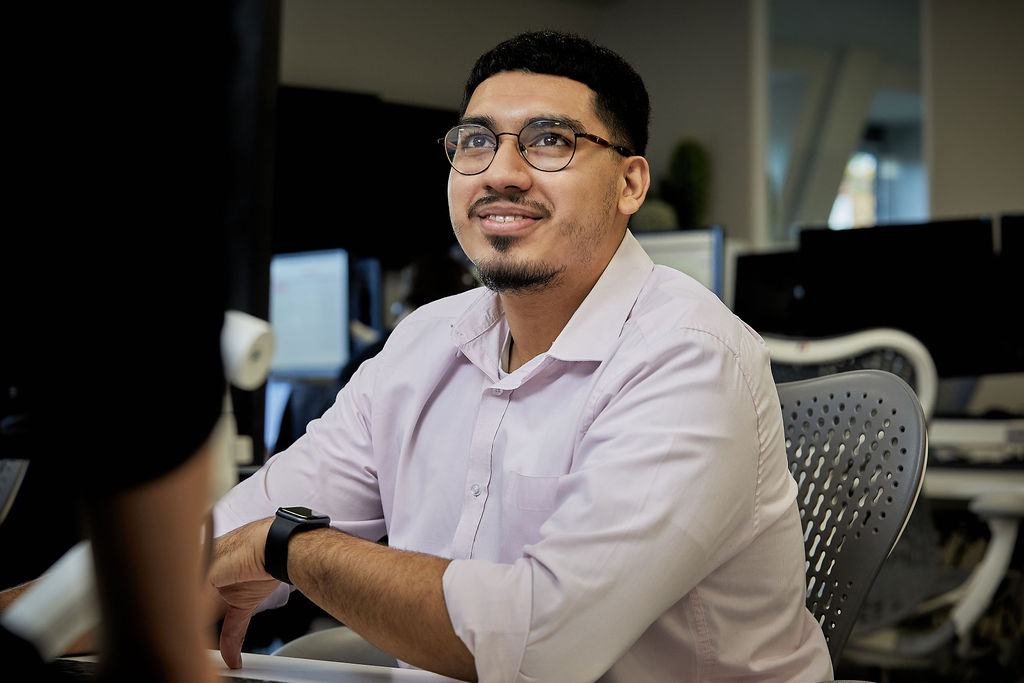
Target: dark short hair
[622,102]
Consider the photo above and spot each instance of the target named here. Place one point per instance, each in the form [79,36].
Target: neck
[535,321]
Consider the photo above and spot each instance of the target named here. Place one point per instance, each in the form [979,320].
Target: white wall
[405,51]
[973,85]
[704,61]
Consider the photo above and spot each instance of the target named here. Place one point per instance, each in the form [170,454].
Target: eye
[547,134]
[551,139]
[476,139]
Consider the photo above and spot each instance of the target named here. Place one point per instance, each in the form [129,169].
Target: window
[855,205]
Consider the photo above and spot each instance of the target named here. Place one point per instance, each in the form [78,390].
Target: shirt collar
[587,334]
[480,331]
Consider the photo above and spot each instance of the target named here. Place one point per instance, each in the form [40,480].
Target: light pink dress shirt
[619,509]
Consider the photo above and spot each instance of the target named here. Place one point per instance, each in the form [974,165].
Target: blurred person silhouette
[114,286]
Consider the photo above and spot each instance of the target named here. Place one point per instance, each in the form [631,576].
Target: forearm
[9,595]
[150,565]
[393,598]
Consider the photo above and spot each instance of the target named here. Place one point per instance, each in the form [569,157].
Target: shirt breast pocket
[529,501]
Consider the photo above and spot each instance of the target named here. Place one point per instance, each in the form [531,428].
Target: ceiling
[891,28]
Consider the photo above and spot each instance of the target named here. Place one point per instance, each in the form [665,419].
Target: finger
[232,633]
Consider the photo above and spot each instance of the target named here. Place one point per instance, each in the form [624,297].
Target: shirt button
[475,489]
[496,392]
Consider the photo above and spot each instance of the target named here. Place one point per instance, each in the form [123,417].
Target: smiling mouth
[504,219]
[507,212]
[506,223]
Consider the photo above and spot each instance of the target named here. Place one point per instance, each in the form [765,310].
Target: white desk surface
[295,670]
[986,443]
[964,483]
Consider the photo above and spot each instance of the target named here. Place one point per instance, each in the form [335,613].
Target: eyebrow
[490,122]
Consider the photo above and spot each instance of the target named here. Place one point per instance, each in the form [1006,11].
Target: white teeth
[504,219]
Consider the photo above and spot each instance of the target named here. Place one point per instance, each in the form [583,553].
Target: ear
[636,180]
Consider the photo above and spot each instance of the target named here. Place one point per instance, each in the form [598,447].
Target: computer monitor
[309,313]
[1011,237]
[938,281]
[770,292]
[698,252]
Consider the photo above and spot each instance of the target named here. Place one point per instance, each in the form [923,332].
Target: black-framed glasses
[546,145]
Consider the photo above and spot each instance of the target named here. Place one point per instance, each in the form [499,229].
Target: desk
[966,484]
[294,670]
[971,458]
[974,441]
[258,668]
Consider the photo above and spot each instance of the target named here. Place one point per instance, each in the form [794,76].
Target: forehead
[512,98]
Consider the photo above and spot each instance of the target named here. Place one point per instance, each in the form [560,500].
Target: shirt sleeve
[664,488]
[330,469]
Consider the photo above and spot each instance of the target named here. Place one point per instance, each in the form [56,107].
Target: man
[580,469]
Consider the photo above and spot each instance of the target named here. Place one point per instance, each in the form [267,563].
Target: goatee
[501,275]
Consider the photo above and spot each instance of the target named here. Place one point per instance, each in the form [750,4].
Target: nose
[508,169]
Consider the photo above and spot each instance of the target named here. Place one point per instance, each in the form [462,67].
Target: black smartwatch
[289,521]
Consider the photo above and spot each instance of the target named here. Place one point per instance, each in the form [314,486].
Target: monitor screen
[1011,237]
[697,252]
[309,314]
[938,281]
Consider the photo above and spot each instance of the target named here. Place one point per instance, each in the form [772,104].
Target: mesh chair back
[880,348]
[857,447]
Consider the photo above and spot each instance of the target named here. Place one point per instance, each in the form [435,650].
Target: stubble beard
[502,272]
[508,276]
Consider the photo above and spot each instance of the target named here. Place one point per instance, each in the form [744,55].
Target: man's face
[525,229]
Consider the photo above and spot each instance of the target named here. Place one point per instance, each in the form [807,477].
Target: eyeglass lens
[546,145]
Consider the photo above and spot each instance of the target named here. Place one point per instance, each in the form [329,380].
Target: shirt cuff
[490,606]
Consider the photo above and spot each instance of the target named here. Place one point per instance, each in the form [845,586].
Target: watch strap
[286,524]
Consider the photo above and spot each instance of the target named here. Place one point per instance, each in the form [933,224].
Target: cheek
[458,204]
[457,209]
[593,198]
[448,192]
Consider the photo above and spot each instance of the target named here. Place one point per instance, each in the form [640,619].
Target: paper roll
[247,346]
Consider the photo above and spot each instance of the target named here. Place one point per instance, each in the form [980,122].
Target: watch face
[302,514]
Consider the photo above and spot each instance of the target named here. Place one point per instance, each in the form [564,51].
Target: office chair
[857,446]
[911,573]
[913,581]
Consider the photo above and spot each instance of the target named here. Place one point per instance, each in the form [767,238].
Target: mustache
[518,200]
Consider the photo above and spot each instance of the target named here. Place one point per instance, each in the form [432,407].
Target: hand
[241,583]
